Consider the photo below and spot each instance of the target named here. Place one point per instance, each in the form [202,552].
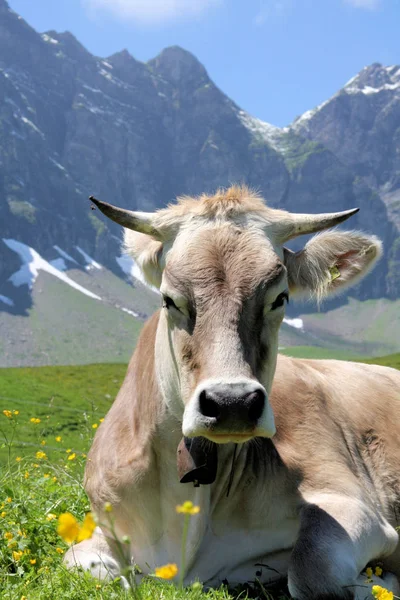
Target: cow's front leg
[338,536]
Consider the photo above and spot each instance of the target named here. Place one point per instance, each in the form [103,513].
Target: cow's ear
[147,253]
[330,262]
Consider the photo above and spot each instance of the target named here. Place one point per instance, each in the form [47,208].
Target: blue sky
[275,58]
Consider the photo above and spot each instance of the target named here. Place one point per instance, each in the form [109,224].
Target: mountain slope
[361,126]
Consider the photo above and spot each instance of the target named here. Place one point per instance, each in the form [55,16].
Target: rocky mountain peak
[176,64]
[374,78]
[123,60]
[71,46]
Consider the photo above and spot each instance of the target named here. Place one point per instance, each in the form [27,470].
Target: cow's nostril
[256,402]
[208,406]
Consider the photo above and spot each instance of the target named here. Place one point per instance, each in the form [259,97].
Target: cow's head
[225,278]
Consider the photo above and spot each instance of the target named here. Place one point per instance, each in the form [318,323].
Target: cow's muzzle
[229,412]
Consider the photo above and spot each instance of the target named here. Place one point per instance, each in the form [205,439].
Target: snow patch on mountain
[32,263]
[309,114]
[32,125]
[374,79]
[90,262]
[48,39]
[262,130]
[368,89]
[371,80]
[6,300]
[64,254]
[57,164]
[130,312]
[296,323]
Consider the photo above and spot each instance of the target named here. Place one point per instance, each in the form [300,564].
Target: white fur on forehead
[238,204]
[331,262]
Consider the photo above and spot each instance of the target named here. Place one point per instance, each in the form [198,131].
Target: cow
[294,463]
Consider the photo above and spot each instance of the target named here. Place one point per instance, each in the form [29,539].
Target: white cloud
[151,11]
[367,4]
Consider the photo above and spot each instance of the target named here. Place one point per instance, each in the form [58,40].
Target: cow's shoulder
[122,453]
[338,422]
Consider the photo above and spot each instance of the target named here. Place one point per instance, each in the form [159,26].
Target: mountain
[361,126]
[139,134]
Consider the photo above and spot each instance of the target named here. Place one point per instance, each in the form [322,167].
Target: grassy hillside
[369,328]
[64,326]
[41,475]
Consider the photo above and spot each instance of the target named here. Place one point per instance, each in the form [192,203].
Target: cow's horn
[138,221]
[301,224]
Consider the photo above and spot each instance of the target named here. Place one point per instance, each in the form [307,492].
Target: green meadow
[48,418]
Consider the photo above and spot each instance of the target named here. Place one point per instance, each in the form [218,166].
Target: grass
[317,352]
[41,475]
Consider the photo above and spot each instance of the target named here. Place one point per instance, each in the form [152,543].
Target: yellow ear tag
[335,273]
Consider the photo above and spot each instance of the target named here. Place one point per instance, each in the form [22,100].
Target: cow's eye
[169,303]
[280,300]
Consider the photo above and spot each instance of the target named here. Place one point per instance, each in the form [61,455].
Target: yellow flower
[72,456]
[26,474]
[54,479]
[68,527]
[60,550]
[33,561]
[35,420]
[43,443]
[108,507]
[88,527]
[8,535]
[9,499]
[41,454]
[16,412]
[35,465]
[368,572]
[3,514]
[24,597]
[46,475]
[19,458]
[378,571]
[68,450]
[94,426]
[98,586]
[17,555]
[187,508]
[51,517]
[381,593]
[58,438]
[7,413]
[101,420]
[167,571]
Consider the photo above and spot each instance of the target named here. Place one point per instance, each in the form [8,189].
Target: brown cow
[308,450]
